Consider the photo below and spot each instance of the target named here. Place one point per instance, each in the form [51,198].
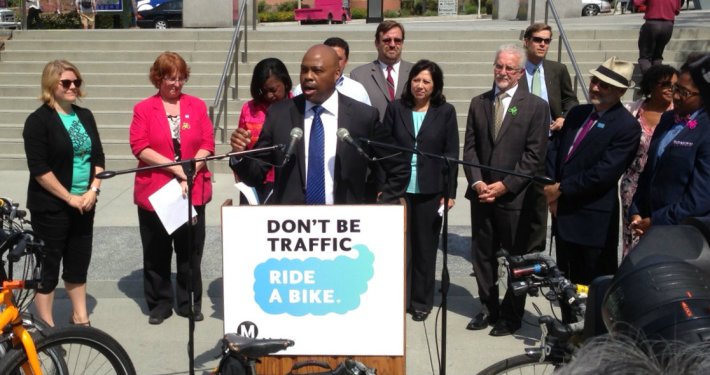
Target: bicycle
[529,274]
[63,351]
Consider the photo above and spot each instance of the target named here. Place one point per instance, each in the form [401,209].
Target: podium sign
[331,278]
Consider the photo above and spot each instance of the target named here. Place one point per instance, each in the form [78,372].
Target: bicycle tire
[521,365]
[83,350]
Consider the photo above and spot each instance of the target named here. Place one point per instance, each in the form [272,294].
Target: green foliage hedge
[276,16]
[358,13]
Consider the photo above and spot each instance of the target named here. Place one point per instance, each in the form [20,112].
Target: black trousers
[67,236]
[495,228]
[158,247]
[582,264]
[653,37]
[535,213]
[423,229]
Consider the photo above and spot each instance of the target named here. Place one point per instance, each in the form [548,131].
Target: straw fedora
[615,72]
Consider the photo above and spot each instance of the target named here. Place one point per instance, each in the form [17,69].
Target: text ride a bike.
[529,274]
[63,351]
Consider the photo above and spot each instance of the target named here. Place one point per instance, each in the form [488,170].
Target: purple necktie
[582,133]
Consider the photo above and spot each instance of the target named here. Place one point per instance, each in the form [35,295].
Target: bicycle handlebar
[542,266]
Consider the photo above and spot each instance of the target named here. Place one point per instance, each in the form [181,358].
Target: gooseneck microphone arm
[108,174]
[344,136]
[544,180]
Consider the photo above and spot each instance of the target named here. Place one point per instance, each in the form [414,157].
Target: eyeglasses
[602,85]
[539,40]
[175,80]
[390,40]
[683,92]
[66,83]
[505,68]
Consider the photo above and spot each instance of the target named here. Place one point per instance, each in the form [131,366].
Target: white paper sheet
[248,192]
[171,206]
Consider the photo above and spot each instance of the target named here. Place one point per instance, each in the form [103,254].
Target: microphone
[296,135]
[344,136]
[105,174]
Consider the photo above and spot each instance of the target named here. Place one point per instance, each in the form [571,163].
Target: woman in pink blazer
[166,127]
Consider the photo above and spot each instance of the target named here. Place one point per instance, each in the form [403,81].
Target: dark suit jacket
[49,149]
[520,146]
[351,168]
[560,94]
[677,185]
[589,179]
[439,134]
[375,83]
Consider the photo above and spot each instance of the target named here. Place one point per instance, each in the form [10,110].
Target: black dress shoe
[419,316]
[480,321]
[158,317]
[504,328]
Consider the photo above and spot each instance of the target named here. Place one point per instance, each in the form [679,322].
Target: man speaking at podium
[319,169]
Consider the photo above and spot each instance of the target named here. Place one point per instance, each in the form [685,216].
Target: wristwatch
[95,190]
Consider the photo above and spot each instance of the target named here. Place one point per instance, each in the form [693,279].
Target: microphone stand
[188,166]
[445,278]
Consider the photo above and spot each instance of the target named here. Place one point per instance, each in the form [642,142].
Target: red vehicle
[331,11]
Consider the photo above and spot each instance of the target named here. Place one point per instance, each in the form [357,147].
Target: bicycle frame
[20,336]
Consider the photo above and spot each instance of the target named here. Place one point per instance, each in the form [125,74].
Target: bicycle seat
[255,348]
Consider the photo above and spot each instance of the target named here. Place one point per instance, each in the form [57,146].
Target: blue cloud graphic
[313,286]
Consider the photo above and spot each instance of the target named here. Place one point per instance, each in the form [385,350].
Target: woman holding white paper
[171,126]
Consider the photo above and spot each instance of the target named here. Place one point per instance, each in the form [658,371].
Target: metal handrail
[231,67]
[578,77]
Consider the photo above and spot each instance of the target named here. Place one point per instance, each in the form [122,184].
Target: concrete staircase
[115,66]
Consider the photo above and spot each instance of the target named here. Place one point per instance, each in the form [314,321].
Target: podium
[331,278]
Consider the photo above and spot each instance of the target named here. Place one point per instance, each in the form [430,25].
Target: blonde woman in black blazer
[64,154]
[423,120]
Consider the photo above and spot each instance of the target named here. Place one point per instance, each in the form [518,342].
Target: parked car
[7,19]
[163,16]
[594,7]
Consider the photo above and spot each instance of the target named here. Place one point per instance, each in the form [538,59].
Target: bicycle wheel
[522,364]
[72,350]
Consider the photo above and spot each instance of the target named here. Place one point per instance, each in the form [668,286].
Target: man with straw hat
[586,158]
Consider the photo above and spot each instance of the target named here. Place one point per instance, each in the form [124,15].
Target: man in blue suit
[674,185]
[586,158]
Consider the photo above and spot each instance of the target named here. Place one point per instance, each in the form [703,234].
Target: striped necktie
[315,181]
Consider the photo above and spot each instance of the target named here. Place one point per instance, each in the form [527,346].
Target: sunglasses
[66,83]
[539,40]
[602,85]
[390,40]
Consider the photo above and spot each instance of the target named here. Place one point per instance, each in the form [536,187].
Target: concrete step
[129,35]
[19,44]
[112,55]
[91,66]
[122,78]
